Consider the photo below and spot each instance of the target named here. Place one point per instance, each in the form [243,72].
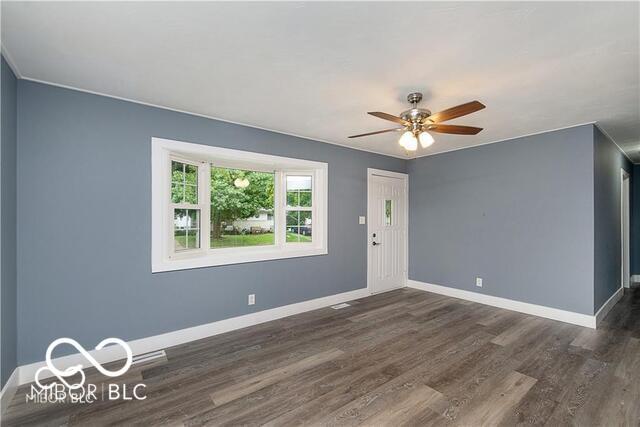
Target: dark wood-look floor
[402,358]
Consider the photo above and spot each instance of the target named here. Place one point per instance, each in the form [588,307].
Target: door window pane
[242,208]
[388,206]
[184,183]
[186,229]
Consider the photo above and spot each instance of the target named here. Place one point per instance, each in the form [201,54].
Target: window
[214,206]
[242,205]
[299,208]
[185,209]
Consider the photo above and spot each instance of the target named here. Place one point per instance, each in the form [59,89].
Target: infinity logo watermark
[76,391]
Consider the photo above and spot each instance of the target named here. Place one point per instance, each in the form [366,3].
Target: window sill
[212,259]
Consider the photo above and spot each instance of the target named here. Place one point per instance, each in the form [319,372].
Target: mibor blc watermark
[70,387]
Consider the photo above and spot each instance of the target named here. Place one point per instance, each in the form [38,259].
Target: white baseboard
[635,278]
[9,390]
[170,339]
[607,306]
[522,307]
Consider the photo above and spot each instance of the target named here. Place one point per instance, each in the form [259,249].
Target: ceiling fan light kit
[425,139]
[417,121]
[408,141]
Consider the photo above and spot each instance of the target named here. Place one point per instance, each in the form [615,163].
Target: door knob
[376,244]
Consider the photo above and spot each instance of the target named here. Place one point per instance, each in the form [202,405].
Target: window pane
[299,191]
[191,194]
[177,171]
[242,208]
[387,212]
[299,226]
[191,174]
[293,218]
[186,229]
[177,192]
[305,218]
[299,234]
[292,198]
[184,183]
[293,234]
[305,198]
[193,239]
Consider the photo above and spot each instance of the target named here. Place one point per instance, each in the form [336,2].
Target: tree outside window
[242,206]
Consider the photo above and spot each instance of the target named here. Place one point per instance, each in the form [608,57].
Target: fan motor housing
[415,115]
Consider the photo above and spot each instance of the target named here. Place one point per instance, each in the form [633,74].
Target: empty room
[320,213]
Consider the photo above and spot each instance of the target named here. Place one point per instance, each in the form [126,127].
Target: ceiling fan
[417,121]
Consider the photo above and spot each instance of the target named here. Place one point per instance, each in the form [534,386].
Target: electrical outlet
[252,299]
[362,220]
[479,282]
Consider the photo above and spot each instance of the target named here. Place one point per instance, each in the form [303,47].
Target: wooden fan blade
[389,117]
[376,132]
[455,129]
[458,111]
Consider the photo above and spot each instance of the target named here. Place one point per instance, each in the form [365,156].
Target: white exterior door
[387,229]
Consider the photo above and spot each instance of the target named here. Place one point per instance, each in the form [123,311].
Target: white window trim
[163,258]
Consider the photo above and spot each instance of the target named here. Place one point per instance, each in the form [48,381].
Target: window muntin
[242,208]
[299,208]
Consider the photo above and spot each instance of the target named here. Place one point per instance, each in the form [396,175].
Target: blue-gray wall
[518,213]
[8,278]
[84,231]
[608,162]
[635,220]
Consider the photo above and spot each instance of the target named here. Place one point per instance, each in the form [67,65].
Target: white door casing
[387,244]
[624,227]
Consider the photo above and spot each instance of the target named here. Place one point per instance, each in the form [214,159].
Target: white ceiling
[314,69]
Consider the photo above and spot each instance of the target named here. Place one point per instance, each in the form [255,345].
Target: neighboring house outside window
[260,223]
[215,206]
